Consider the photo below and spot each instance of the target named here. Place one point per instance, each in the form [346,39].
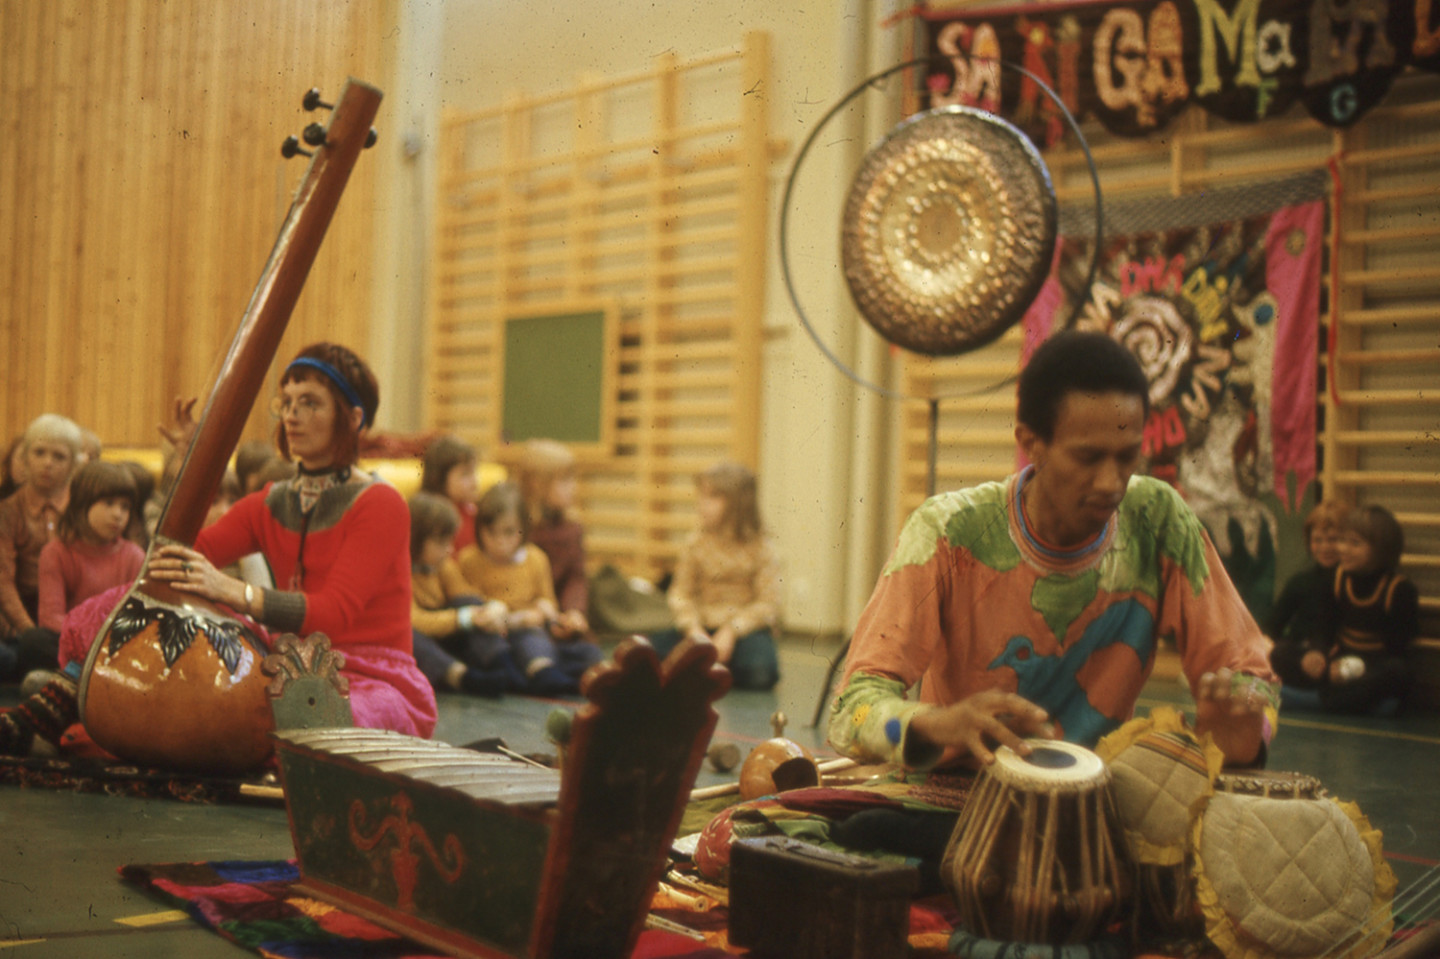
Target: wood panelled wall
[1379,437]
[646,191]
[142,187]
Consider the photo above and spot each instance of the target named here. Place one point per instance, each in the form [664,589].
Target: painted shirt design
[970,601]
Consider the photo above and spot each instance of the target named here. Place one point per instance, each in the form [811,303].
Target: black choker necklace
[309,485]
[341,474]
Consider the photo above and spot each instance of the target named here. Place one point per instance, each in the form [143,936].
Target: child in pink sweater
[90,553]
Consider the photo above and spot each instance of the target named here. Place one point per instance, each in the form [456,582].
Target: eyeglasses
[303,407]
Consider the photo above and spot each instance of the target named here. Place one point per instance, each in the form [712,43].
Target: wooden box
[795,900]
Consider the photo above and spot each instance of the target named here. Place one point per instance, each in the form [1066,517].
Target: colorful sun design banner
[1219,298]
[1136,65]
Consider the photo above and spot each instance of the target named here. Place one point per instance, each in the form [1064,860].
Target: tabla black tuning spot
[312,101]
[291,148]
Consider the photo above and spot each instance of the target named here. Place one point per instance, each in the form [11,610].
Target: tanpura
[172,680]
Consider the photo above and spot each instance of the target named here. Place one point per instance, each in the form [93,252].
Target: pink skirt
[387,689]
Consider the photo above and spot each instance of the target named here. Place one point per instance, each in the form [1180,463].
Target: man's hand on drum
[1232,711]
[978,724]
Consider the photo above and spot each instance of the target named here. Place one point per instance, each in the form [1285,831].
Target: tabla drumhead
[949,230]
[1051,763]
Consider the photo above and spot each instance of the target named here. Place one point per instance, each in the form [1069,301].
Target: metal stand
[931,454]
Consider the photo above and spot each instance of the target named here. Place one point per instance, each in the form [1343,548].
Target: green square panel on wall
[558,378]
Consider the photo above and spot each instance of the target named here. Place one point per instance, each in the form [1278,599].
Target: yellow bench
[403,473]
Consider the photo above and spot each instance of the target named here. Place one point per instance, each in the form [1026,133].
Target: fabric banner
[1219,298]
[1135,65]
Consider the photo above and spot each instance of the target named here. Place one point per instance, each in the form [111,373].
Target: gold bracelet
[249,600]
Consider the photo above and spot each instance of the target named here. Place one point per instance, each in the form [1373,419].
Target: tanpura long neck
[243,372]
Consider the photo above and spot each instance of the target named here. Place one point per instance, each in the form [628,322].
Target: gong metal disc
[949,230]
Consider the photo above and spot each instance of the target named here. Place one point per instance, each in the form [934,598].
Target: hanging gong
[949,231]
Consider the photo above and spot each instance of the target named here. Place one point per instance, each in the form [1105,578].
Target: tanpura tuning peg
[291,147]
[312,100]
[314,135]
[370,138]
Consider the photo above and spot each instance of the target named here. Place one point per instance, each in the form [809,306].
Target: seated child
[89,555]
[727,582]
[1294,624]
[1370,618]
[547,481]
[459,639]
[448,469]
[502,565]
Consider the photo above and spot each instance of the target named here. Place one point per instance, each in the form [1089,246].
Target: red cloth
[1292,273]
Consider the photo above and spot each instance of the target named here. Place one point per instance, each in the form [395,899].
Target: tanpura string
[1412,903]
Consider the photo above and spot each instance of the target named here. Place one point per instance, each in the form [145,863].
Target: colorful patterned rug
[118,778]
[255,905]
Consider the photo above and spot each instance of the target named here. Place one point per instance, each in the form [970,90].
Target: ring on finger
[185,567]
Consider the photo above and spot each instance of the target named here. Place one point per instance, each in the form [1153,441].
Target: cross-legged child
[1294,623]
[89,555]
[459,638]
[501,564]
[727,582]
[1372,616]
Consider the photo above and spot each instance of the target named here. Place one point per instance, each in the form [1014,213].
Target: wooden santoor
[1037,853]
[483,856]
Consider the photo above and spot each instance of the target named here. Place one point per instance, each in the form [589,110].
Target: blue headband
[346,390]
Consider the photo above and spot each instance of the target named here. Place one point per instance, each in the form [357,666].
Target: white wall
[824,466]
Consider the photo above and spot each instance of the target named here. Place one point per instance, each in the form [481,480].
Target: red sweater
[71,573]
[357,558]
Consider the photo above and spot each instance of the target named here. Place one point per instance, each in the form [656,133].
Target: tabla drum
[1161,775]
[1037,855]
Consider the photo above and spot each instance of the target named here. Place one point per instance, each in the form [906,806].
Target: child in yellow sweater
[458,638]
[503,565]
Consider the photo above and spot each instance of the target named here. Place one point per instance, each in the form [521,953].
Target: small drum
[1037,855]
[1284,871]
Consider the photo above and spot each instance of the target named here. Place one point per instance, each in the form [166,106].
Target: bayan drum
[1037,856]
[1284,871]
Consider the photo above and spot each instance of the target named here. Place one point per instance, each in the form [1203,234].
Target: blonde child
[30,517]
[727,583]
[448,469]
[1294,621]
[1370,618]
[89,555]
[501,564]
[548,483]
[459,638]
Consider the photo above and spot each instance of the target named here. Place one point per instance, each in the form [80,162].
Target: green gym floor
[59,851]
